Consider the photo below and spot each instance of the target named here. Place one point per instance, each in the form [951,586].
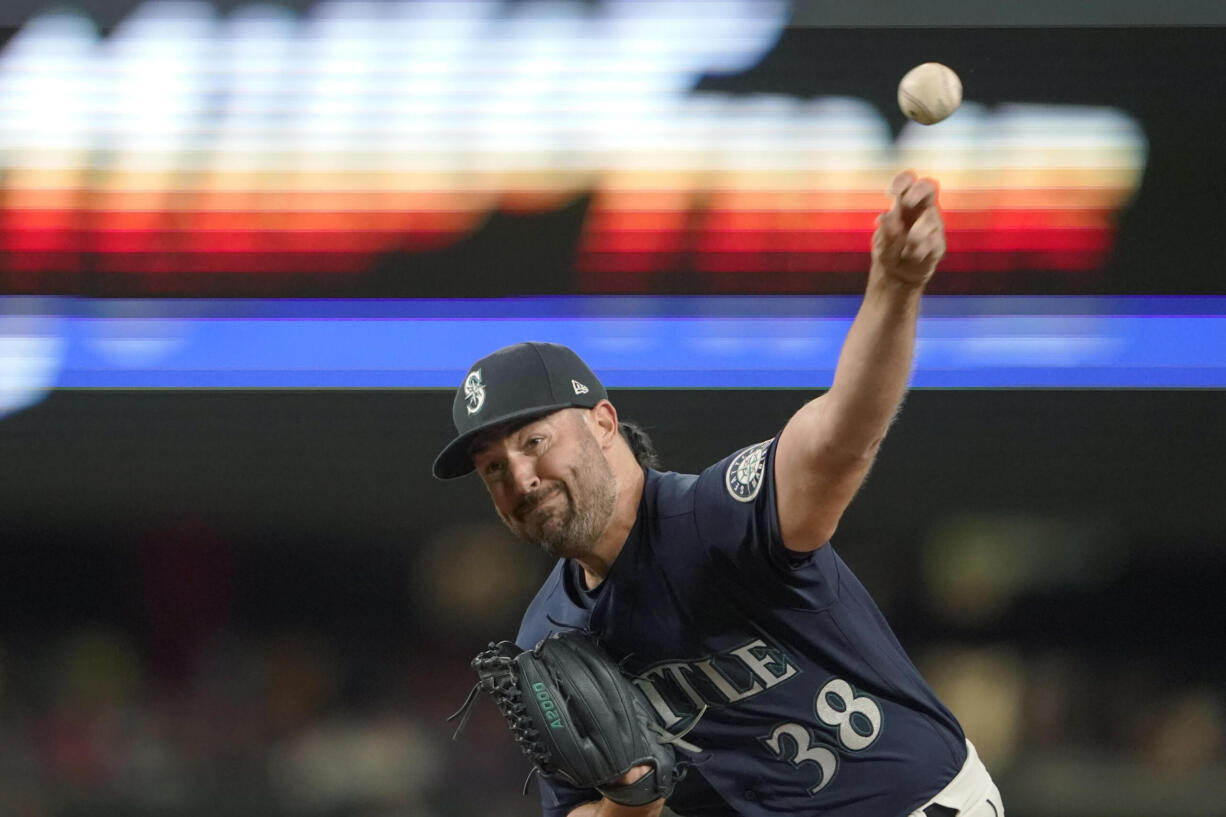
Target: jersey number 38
[855,719]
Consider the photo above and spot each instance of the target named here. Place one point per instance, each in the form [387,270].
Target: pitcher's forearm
[874,366]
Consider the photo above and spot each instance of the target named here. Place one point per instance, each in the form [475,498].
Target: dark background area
[294,543]
[357,462]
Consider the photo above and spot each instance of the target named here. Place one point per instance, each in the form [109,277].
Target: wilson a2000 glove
[577,717]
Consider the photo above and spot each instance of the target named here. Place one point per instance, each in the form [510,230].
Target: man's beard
[570,528]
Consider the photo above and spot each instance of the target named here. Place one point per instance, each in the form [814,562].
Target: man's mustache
[529,501]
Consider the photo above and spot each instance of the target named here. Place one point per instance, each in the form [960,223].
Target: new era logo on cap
[578,387]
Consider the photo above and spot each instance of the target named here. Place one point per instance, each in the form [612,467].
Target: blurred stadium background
[246,250]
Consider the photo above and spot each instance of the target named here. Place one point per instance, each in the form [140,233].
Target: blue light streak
[721,342]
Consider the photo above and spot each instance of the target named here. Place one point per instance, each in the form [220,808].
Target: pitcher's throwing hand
[910,237]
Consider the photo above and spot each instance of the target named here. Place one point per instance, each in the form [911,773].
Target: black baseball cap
[515,383]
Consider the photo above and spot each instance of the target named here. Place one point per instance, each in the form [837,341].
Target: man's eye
[533,442]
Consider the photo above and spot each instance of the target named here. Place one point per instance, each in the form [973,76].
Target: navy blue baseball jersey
[794,689]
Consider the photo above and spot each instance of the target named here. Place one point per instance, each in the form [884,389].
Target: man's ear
[603,419]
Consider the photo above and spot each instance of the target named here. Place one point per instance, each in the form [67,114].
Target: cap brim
[454,461]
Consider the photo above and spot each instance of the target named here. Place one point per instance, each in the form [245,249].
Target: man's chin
[553,545]
[563,552]
[560,548]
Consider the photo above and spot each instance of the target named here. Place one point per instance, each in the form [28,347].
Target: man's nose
[523,473]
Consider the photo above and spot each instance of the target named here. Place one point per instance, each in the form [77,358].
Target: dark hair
[641,444]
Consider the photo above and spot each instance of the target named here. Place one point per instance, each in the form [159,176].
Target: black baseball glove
[577,717]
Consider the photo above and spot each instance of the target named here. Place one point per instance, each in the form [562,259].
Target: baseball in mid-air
[929,93]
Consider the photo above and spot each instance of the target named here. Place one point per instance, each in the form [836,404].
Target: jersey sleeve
[738,522]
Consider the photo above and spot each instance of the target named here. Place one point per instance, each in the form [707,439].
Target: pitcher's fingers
[918,197]
[901,182]
[928,224]
[925,235]
[890,234]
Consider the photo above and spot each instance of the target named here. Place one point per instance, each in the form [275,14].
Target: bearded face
[550,482]
[567,515]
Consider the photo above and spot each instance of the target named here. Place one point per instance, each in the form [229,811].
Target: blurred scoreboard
[472,147]
[370,194]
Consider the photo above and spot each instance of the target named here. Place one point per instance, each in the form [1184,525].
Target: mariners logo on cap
[474,391]
[744,476]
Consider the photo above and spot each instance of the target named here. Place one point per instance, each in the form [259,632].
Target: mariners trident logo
[474,392]
[744,476]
